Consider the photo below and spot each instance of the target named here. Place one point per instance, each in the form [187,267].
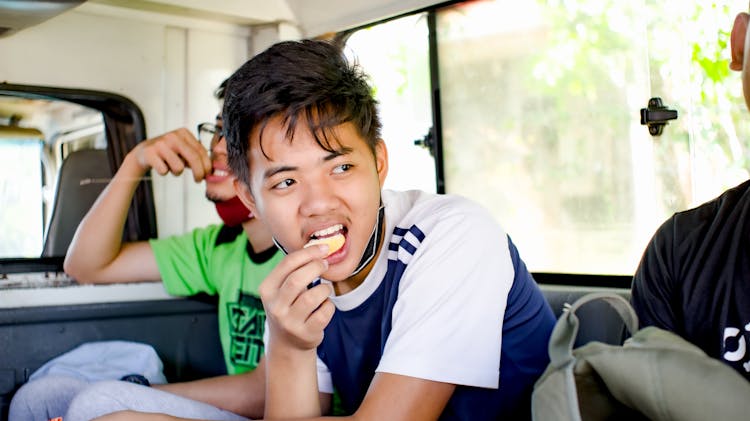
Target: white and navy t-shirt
[448,300]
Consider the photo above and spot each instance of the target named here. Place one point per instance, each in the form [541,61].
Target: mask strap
[372,246]
[283,250]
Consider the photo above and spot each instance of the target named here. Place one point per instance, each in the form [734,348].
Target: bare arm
[396,397]
[296,318]
[390,397]
[96,253]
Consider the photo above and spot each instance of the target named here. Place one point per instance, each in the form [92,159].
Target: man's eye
[284,184]
[342,168]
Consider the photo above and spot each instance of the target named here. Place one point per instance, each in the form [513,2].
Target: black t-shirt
[694,278]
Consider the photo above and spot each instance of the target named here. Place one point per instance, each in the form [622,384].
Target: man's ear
[381,161]
[247,199]
[737,41]
[740,43]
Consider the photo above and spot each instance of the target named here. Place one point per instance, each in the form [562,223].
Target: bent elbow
[75,271]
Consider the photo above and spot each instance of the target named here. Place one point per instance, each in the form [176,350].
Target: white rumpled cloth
[106,360]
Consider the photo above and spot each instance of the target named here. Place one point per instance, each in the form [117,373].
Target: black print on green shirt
[246,321]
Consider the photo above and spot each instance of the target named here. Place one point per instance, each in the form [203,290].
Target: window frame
[124,128]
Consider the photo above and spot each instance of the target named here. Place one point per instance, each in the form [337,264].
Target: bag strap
[566,329]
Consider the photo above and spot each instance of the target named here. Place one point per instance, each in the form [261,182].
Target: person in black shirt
[694,276]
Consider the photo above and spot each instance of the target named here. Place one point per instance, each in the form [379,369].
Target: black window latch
[656,116]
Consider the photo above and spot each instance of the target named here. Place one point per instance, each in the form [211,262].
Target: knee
[44,398]
[95,400]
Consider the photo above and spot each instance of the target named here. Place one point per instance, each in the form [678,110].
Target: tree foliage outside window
[541,119]
[541,116]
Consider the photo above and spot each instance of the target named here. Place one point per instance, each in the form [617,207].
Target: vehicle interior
[582,125]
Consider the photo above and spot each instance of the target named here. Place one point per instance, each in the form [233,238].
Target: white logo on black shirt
[739,353]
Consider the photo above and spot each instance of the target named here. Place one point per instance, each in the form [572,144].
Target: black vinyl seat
[597,320]
[82,177]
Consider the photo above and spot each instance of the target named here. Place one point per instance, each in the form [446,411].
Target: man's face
[302,191]
[220,183]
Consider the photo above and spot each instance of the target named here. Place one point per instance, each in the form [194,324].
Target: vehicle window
[395,55]
[540,119]
[58,150]
[36,136]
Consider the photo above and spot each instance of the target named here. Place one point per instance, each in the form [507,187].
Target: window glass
[541,109]
[395,56]
[36,136]
[541,120]
[21,216]
[538,118]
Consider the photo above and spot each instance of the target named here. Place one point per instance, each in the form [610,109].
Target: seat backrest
[78,185]
[597,320]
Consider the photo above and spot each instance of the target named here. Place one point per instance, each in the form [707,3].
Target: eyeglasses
[209,134]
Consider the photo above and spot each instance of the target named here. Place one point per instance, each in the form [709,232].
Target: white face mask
[371,250]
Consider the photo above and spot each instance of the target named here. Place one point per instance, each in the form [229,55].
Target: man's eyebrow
[333,155]
[275,170]
[337,153]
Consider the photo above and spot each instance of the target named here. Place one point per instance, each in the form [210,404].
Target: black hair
[221,90]
[303,82]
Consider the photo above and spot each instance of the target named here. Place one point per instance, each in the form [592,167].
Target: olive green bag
[654,375]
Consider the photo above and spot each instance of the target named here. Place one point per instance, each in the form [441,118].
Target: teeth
[221,173]
[328,231]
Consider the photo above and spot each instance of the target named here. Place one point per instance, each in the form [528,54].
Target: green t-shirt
[218,260]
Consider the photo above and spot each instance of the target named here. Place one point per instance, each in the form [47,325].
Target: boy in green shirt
[228,260]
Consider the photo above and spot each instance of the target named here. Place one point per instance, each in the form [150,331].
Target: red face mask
[233,212]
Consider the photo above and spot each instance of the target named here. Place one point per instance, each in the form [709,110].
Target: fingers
[296,313]
[174,151]
[293,262]
[297,283]
[309,303]
[323,313]
[301,325]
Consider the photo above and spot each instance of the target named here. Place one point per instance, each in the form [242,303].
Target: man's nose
[319,197]
[219,146]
